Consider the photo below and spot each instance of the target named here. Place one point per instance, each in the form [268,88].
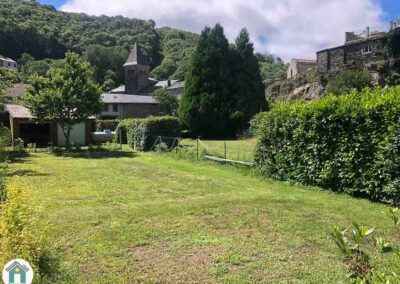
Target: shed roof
[18,111]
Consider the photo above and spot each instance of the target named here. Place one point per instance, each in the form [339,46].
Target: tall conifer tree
[207,100]
[247,88]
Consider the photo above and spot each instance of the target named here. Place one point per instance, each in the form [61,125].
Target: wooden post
[177,146]
[225,149]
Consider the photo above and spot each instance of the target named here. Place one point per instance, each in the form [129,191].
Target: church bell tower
[136,70]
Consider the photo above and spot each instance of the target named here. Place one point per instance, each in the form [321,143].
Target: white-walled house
[6,62]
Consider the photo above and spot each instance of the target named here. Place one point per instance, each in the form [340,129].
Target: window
[115,107]
[367,49]
[105,107]
[9,64]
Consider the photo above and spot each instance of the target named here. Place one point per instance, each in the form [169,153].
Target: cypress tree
[247,88]
[207,100]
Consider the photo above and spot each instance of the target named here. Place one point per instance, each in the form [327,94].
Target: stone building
[134,99]
[298,67]
[357,52]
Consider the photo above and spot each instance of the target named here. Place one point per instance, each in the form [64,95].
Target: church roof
[136,57]
[127,99]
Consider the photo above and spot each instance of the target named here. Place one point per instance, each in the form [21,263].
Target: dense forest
[38,36]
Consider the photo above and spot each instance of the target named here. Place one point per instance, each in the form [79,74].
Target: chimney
[367,32]
[391,25]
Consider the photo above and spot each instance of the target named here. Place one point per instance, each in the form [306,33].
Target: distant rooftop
[3,58]
[17,90]
[110,98]
[136,57]
[304,60]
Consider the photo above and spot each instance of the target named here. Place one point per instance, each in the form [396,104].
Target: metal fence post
[120,140]
[225,149]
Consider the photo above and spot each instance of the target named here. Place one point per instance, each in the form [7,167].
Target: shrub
[168,103]
[121,130]
[347,143]
[19,145]
[356,247]
[348,80]
[110,124]
[142,133]
[19,230]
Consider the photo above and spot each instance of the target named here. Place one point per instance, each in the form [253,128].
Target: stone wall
[348,56]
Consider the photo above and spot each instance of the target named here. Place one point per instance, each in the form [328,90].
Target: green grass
[126,218]
[240,150]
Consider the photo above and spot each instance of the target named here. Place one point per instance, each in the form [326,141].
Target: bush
[168,103]
[348,143]
[142,133]
[20,230]
[5,140]
[121,130]
[348,80]
[110,124]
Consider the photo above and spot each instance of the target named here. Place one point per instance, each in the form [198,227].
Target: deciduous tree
[68,95]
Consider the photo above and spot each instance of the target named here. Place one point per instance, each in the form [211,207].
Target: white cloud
[287,28]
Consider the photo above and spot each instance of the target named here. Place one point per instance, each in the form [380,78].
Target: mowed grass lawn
[150,218]
[239,149]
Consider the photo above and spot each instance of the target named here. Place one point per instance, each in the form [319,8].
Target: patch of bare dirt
[164,264]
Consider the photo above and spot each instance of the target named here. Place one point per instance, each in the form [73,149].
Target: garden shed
[23,126]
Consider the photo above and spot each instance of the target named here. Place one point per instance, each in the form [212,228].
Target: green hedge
[348,143]
[141,134]
[104,124]
[121,130]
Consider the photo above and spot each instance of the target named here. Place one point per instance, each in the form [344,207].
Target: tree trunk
[67,133]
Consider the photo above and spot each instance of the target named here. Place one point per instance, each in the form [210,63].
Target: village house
[134,99]
[6,62]
[358,51]
[298,67]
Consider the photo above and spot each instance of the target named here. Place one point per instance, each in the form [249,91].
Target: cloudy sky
[285,28]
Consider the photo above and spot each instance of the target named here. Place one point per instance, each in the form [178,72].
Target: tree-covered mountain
[45,33]
[178,47]
[38,36]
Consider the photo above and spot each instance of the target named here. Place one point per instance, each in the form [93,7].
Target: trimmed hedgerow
[141,134]
[104,124]
[121,130]
[348,143]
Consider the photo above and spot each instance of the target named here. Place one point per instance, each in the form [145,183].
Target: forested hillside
[177,47]
[38,36]
[43,32]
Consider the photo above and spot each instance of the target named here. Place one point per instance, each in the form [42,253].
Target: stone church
[134,99]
